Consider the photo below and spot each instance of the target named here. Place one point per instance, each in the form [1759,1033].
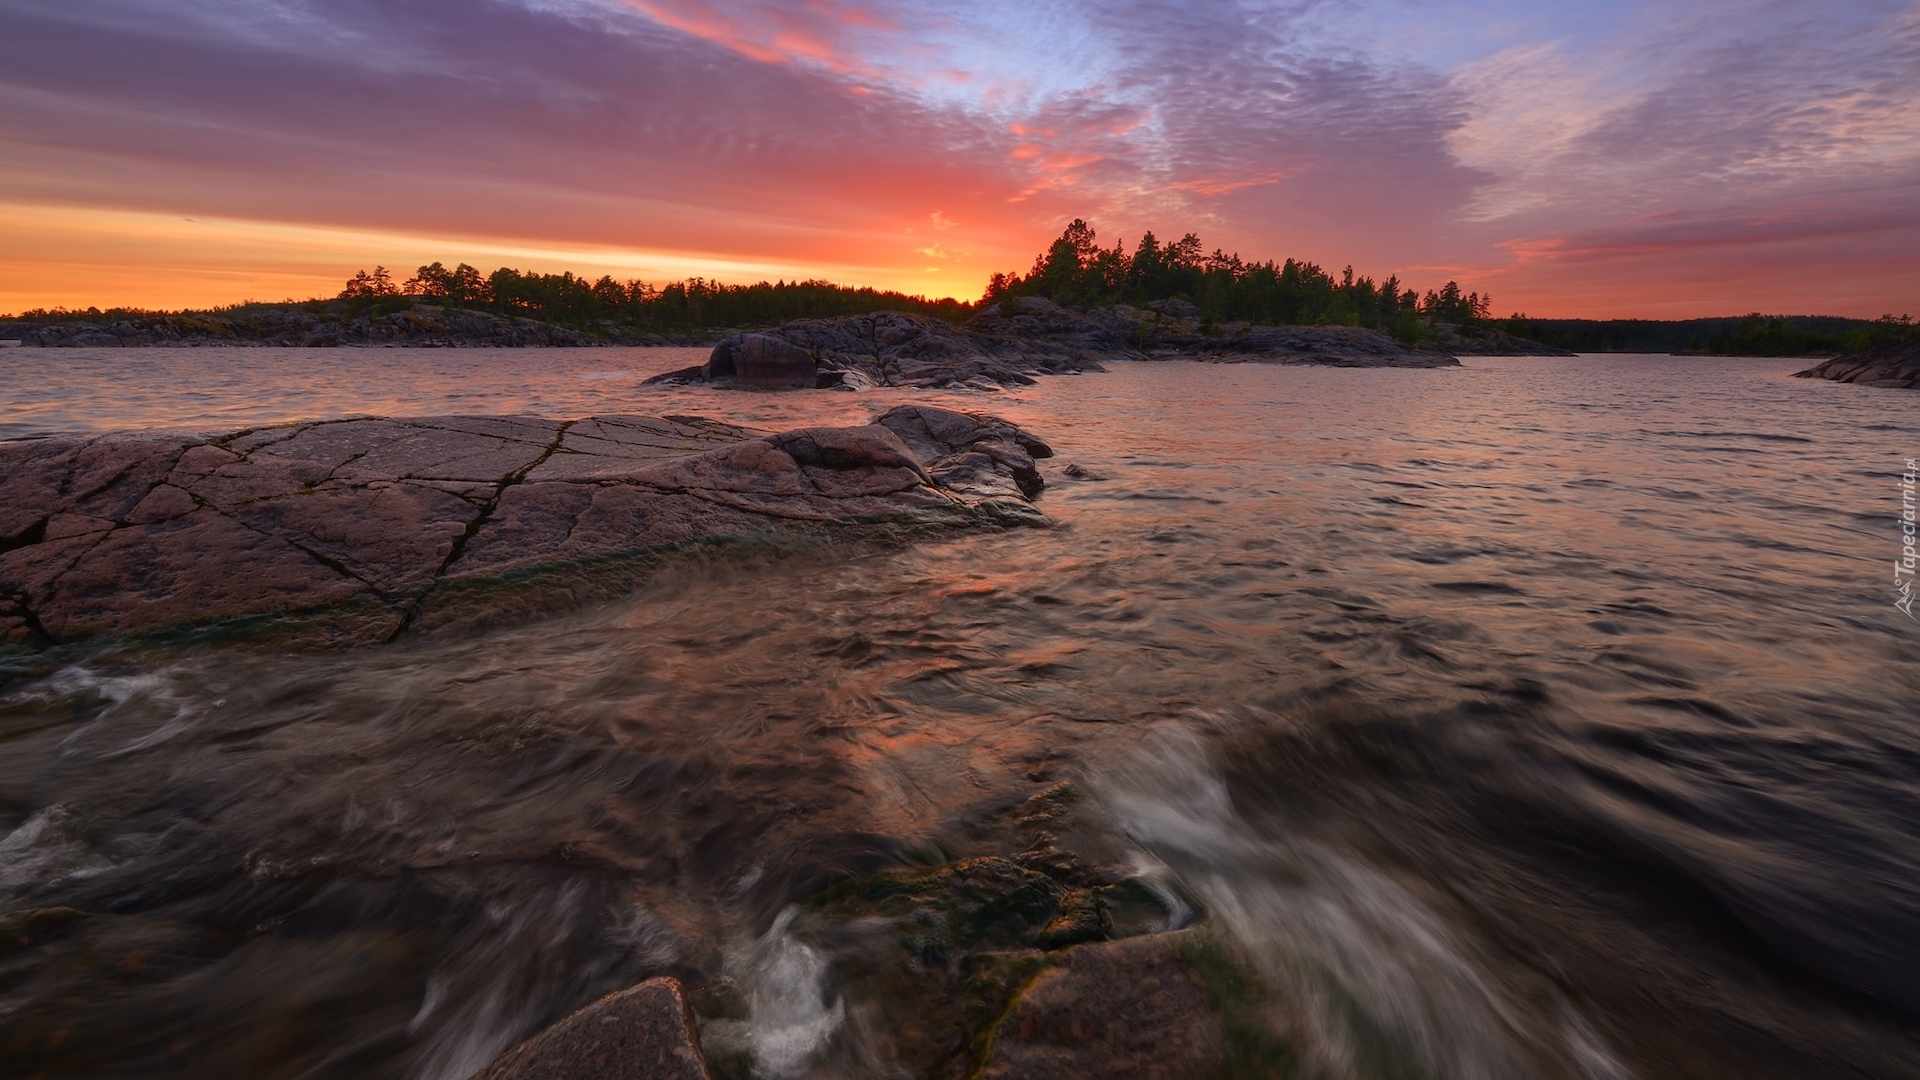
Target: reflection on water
[1544,717]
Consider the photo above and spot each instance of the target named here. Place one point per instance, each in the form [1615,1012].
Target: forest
[1748,335]
[693,304]
[1077,272]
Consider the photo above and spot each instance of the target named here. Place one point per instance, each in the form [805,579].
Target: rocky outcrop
[356,531]
[646,1031]
[894,349]
[1890,364]
[1486,341]
[1010,343]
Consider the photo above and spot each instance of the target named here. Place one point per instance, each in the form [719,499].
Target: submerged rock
[1891,364]
[354,531]
[1120,1009]
[646,1031]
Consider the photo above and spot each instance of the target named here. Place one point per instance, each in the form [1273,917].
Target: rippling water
[1546,717]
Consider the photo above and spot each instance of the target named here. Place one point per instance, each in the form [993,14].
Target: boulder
[763,361]
[970,452]
[646,1031]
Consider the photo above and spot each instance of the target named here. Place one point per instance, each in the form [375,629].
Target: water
[1546,717]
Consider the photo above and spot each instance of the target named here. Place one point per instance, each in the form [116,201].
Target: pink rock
[161,504]
[1128,1010]
[203,566]
[646,1031]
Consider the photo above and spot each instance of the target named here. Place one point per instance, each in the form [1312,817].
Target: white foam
[1378,980]
[789,1020]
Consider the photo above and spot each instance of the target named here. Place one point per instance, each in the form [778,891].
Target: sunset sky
[1593,158]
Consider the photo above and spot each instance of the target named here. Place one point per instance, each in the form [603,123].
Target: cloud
[1502,140]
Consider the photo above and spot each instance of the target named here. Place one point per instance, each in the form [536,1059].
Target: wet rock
[646,1031]
[1121,1009]
[971,452]
[1894,365]
[358,529]
[930,956]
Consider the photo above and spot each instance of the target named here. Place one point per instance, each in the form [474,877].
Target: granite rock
[368,527]
[1893,365]
[646,1031]
[1129,1010]
[1010,343]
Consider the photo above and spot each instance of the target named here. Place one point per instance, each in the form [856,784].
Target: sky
[1587,158]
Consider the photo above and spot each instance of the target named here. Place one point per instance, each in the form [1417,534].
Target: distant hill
[1745,335]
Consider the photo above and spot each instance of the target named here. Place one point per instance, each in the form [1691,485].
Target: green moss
[1255,1050]
[1081,917]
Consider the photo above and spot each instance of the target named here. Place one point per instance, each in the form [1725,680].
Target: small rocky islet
[1893,364]
[1014,342]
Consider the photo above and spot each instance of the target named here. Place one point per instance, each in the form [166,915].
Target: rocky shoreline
[1894,364]
[1033,940]
[1036,942]
[359,531]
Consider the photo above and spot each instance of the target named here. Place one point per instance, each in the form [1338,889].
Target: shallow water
[1541,717]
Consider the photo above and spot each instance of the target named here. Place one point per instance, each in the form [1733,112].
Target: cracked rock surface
[380,522]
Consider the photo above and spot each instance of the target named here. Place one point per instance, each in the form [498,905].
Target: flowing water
[1545,717]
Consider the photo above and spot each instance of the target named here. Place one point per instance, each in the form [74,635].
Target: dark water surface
[1548,717]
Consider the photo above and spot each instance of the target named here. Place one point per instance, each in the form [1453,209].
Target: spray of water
[1381,987]
[789,1021]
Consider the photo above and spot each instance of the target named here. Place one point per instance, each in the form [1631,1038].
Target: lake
[1539,717]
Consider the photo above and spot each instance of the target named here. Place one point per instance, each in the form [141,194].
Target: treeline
[1076,271]
[692,304]
[1749,335]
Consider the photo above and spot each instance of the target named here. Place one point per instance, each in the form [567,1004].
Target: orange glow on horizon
[78,258]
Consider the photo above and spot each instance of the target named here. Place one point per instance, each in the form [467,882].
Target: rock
[761,360]
[1121,1009]
[1893,364]
[971,452]
[894,349]
[353,531]
[646,1031]
[1009,343]
[930,957]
